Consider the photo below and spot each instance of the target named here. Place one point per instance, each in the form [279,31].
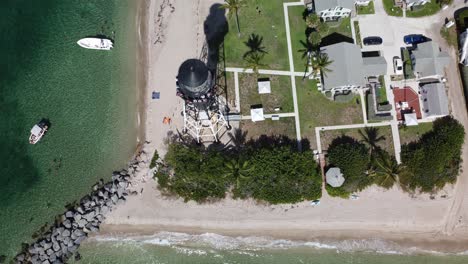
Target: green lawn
[391,9]
[285,126]
[382,92]
[358,33]
[326,137]
[413,133]
[450,35]
[343,26]
[316,110]
[298,34]
[268,24]
[407,65]
[280,96]
[366,10]
[425,10]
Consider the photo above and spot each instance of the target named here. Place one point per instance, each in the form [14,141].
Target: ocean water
[178,248]
[88,96]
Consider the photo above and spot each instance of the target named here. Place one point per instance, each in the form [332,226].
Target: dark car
[372,41]
[414,39]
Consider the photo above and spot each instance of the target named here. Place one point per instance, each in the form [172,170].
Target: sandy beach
[171,31]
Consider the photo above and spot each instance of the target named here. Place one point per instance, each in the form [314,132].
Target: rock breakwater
[71,228]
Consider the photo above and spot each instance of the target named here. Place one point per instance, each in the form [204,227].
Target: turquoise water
[88,96]
[210,249]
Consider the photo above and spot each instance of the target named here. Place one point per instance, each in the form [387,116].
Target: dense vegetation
[351,156]
[435,159]
[427,164]
[269,169]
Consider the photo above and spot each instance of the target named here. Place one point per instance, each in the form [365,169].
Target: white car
[398,65]
[354,197]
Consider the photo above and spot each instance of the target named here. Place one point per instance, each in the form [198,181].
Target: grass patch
[407,65]
[358,33]
[342,26]
[268,24]
[285,126]
[366,10]
[413,133]
[382,92]
[298,34]
[280,96]
[326,137]
[230,89]
[337,192]
[391,9]
[316,110]
[424,10]
[450,35]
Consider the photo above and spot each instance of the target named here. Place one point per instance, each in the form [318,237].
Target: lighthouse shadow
[215,27]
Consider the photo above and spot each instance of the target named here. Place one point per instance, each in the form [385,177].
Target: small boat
[96,43]
[37,132]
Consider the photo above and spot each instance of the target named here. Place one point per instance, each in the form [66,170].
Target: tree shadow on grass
[255,45]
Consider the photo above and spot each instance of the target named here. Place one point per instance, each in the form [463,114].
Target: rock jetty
[62,240]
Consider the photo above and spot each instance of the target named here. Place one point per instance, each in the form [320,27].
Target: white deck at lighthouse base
[204,125]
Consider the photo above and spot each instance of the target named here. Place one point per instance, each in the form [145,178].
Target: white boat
[37,132]
[96,43]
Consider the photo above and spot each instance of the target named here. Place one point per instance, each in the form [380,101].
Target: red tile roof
[408,96]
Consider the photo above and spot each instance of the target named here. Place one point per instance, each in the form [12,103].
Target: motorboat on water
[37,132]
[96,43]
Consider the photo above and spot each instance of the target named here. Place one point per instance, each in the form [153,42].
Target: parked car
[414,39]
[315,202]
[398,65]
[372,41]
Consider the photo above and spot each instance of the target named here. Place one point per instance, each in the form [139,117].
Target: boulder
[47,245]
[67,223]
[60,237]
[56,247]
[104,209]
[95,187]
[72,249]
[46,261]
[79,233]
[69,214]
[66,233]
[80,210]
[35,260]
[114,198]
[82,222]
[79,240]
[53,257]
[49,251]
[20,257]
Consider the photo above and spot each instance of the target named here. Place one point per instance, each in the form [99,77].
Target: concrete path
[363,105]
[262,71]
[236,91]
[246,117]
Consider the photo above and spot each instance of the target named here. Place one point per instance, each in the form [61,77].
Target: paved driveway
[391,30]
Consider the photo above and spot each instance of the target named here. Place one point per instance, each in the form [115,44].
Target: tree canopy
[350,156]
[435,159]
[269,169]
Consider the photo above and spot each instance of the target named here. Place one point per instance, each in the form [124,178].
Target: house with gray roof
[415,3]
[429,61]
[349,70]
[330,10]
[434,100]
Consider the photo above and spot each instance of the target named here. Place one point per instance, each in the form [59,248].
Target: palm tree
[306,51]
[312,20]
[323,28]
[238,138]
[371,137]
[233,6]
[321,63]
[254,43]
[254,61]
[387,171]
[315,39]
[238,169]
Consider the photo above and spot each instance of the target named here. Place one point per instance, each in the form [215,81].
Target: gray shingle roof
[348,66]
[374,66]
[321,5]
[435,101]
[428,60]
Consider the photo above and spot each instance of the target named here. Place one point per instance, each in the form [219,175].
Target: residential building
[415,3]
[434,100]
[429,62]
[349,70]
[331,10]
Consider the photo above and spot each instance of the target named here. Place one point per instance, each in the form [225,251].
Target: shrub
[154,160]
[337,192]
[351,157]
